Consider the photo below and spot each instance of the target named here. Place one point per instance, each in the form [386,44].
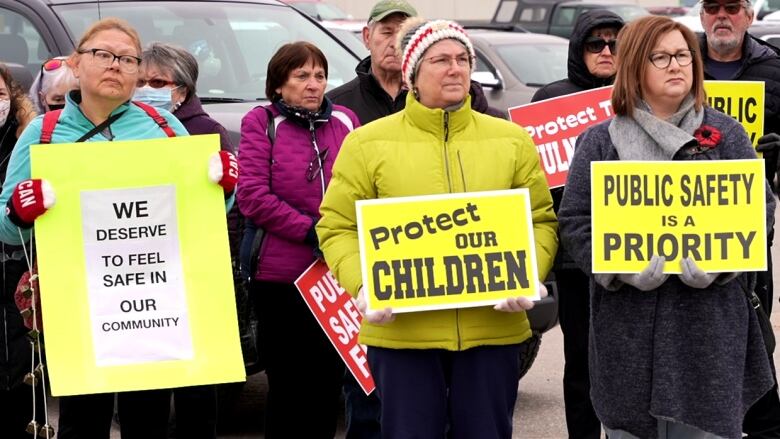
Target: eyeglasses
[106,58]
[154,83]
[714,8]
[662,60]
[596,45]
[445,61]
[316,164]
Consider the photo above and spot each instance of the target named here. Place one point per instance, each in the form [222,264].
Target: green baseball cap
[383,8]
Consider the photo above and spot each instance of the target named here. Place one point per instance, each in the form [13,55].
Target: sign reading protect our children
[135,273]
[447,251]
[554,125]
[742,100]
[710,211]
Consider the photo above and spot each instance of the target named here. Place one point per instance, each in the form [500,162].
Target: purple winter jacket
[273,189]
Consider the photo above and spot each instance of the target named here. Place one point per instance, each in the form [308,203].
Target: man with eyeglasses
[591,64]
[730,53]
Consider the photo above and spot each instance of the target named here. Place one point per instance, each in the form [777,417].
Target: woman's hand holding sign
[650,278]
[31,198]
[376,317]
[693,276]
[517,304]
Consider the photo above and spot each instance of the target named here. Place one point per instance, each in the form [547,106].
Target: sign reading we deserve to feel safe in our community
[447,251]
[135,275]
[712,211]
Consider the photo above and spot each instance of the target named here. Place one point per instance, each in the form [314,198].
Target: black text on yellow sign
[742,100]
[447,251]
[710,211]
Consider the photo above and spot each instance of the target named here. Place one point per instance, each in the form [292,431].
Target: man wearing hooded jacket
[591,64]
[730,53]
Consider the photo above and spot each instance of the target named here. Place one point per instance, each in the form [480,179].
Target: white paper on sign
[137,301]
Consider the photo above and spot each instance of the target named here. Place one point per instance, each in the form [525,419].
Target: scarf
[306,118]
[646,137]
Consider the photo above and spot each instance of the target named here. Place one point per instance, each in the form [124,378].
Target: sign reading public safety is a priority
[713,211]
[447,251]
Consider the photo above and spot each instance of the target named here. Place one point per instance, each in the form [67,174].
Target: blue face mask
[159,98]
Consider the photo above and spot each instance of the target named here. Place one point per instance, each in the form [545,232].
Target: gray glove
[693,276]
[650,278]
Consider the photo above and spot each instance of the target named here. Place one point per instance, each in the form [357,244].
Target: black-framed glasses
[106,58]
[596,45]
[714,8]
[662,59]
[315,165]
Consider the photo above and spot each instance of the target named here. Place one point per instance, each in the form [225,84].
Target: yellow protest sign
[711,211]
[135,272]
[447,251]
[742,100]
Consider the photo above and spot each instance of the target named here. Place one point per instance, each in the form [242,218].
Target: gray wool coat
[675,353]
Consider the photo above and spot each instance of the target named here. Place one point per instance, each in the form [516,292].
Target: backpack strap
[270,128]
[161,121]
[50,119]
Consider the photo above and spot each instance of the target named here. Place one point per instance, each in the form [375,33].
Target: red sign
[554,125]
[337,313]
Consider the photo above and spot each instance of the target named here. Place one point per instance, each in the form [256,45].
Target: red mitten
[223,170]
[30,199]
[23,296]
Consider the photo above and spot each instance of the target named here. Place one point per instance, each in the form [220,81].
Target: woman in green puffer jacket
[449,369]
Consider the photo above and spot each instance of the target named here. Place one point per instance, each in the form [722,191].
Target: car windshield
[628,12]
[321,11]
[549,62]
[232,42]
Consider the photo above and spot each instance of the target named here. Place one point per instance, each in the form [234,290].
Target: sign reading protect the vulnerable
[710,211]
[742,100]
[134,265]
[134,276]
[337,314]
[554,125]
[447,251]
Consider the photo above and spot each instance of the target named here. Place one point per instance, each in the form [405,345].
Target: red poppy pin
[707,136]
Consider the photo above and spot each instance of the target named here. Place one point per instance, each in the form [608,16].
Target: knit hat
[417,35]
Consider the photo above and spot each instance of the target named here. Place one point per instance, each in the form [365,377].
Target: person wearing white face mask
[168,77]
[16,111]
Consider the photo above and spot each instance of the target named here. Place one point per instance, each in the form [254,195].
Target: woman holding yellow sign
[671,355]
[106,62]
[449,372]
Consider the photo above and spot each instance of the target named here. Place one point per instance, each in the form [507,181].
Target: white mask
[5,108]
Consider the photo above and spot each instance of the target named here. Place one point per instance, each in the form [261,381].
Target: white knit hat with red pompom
[417,35]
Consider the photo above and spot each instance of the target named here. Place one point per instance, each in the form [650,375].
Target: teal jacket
[135,124]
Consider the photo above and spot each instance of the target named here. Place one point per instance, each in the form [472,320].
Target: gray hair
[46,80]
[175,59]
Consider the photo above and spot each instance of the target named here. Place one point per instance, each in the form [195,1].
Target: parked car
[330,15]
[353,40]
[761,9]
[768,31]
[668,11]
[511,66]
[223,35]
[557,17]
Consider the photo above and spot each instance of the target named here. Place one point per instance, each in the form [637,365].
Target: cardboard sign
[742,100]
[712,211]
[447,251]
[337,314]
[135,272]
[554,125]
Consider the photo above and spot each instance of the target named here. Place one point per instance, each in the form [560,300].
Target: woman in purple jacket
[284,169]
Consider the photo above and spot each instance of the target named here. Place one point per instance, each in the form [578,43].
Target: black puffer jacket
[579,77]
[366,97]
[760,62]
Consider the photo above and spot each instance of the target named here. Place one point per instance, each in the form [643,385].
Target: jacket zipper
[449,183]
[446,150]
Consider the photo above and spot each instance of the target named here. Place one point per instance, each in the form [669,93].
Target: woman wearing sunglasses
[53,83]
[106,62]
[671,356]
[286,154]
